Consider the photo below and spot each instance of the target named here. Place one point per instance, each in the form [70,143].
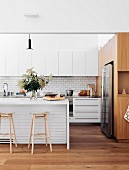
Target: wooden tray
[53,98]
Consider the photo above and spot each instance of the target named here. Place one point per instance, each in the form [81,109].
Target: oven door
[70,105]
[70,109]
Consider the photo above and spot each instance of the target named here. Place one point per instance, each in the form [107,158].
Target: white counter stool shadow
[9,116]
[45,135]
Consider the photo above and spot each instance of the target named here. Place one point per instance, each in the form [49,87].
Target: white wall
[57,85]
[103,39]
[65,42]
[64,15]
[49,42]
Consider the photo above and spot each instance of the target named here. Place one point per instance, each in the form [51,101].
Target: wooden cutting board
[53,98]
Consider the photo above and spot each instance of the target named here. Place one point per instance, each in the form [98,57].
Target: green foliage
[32,82]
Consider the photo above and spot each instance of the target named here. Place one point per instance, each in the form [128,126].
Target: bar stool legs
[33,133]
[9,116]
[45,135]
[14,132]
[10,134]
[30,133]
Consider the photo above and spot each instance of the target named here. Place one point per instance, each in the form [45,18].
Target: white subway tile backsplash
[57,85]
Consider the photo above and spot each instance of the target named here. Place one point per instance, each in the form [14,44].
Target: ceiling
[87,16]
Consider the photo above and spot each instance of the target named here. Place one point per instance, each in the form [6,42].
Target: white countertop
[27,101]
[86,97]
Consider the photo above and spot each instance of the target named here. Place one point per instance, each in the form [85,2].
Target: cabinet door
[2,63]
[65,64]
[123,51]
[11,63]
[52,63]
[24,61]
[38,61]
[79,63]
[92,63]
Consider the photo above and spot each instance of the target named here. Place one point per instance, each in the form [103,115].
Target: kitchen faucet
[5,87]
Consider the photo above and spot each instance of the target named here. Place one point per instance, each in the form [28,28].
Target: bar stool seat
[45,135]
[9,116]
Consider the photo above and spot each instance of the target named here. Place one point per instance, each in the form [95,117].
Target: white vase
[33,94]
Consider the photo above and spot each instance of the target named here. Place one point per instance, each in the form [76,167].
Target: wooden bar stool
[9,116]
[44,135]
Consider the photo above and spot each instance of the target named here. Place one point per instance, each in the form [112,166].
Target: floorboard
[89,149]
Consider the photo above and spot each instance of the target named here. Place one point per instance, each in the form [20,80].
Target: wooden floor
[89,150]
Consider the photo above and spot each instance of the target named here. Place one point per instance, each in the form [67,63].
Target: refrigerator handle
[102,88]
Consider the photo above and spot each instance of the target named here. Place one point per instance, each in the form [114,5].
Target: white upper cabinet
[65,63]
[52,63]
[79,66]
[2,63]
[57,63]
[92,63]
[11,63]
[24,61]
[38,61]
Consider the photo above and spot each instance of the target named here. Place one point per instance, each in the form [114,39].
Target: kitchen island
[58,118]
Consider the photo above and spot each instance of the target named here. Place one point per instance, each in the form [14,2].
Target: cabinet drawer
[86,109]
[84,120]
[87,115]
[86,102]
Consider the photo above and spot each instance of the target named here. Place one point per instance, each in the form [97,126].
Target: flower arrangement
[32,82]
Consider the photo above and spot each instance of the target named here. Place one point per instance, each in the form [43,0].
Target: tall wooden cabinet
[123,83]
[107,54]
[123,51]
[117,50]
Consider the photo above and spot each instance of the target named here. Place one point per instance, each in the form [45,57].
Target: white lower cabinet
[86,110]
[58,119]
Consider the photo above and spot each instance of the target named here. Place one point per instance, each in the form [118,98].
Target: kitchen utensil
[69,92]
[5,87]
[92,86]
[10,93]
[53,98]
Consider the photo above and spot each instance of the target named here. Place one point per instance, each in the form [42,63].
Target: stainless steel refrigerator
[107,100]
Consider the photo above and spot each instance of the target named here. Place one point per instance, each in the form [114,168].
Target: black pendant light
[29,44]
